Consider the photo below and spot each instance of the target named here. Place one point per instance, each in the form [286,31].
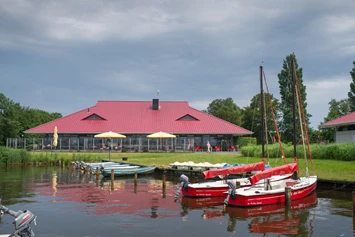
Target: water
[72,204]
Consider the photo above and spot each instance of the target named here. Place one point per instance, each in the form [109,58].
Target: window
[94,117]
[188,118]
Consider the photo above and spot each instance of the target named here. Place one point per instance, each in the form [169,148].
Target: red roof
[138,117]
[344,120]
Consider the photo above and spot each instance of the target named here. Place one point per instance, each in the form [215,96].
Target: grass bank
[325,169]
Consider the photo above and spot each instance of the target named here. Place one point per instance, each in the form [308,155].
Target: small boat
[271,192]
[128,170]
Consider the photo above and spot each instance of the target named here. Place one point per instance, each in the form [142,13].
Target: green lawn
[325,169]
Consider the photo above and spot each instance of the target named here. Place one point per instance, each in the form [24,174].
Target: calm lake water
[72,204]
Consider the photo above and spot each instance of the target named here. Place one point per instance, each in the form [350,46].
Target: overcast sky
[64,56]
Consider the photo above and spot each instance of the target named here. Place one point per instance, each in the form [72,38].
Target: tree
[351,93]
[225,109]
[15,119]
[285,85]
[336,110]
[252,115]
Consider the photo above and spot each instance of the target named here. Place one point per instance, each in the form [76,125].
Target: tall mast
[293,108]
[262,112]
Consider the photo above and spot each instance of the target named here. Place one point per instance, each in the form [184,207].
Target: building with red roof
[344,128]
[136,120]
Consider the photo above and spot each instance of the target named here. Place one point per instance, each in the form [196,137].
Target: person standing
[208,147]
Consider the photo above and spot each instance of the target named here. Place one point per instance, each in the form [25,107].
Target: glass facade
[132,143]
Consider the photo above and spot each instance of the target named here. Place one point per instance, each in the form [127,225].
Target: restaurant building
[136,120]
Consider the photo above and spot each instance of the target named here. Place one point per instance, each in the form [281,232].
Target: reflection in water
[139,208]
[262,219]
[123,195]
[54,182]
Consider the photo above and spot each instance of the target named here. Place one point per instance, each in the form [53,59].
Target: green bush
[334,151]
[246,141]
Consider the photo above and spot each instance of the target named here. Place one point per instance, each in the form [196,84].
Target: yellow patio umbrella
[110,135]
[55,137]
[161,135]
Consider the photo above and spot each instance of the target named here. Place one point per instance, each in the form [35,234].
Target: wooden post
[112,179]
[86,177]
[354,203]
[97,173]
[164,185]
[135,182]
[164,181]
[196,179]
[112,174]
[288,196]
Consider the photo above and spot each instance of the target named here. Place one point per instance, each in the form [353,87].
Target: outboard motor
[231,192]
[184,183]
[22,222]
[77,164]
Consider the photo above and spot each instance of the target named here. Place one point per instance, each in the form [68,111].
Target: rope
[301,119]
[266,132]
[274,118]
[304,119]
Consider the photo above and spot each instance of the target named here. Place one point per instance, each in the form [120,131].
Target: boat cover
[234,170]
[279,170]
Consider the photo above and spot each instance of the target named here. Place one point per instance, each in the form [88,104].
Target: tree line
[249,117]
[15,119]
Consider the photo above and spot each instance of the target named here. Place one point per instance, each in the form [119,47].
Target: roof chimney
[155,104]
[88,110]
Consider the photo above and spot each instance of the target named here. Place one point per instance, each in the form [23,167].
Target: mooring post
[164,181]
[164,185]
[135,177]
[112,175]
[288,196]
[97,181]
[112,179]
[354,203]
[97,172]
